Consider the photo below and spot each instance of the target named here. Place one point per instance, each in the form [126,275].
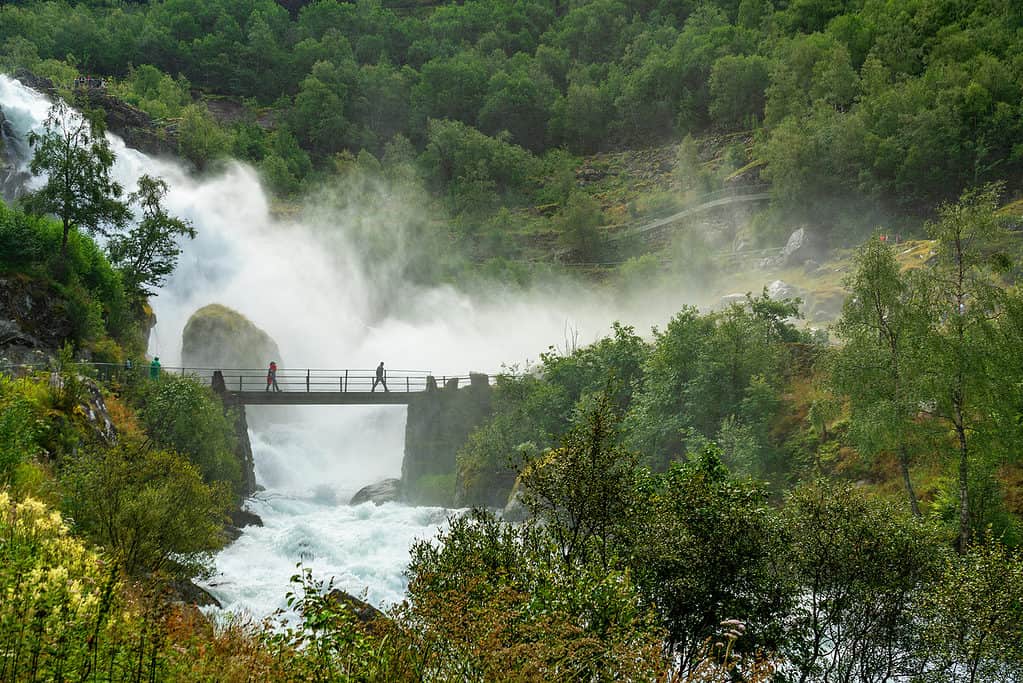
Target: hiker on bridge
[154,368]
[271,377]
[379,379]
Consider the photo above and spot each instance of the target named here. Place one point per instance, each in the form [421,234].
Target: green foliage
[200,138]
[148,253]
[712,372]
[861,567]
[20,425]
[155,92]
[578,224]
[583,488]
[879,367]
[973,616]
[493,601]
[76,158]
[91,293]
[737,86]
[704,545]
[902,105]
[461,159]
[183,414]
[149,507]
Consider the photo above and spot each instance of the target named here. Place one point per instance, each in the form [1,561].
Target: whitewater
[303,282]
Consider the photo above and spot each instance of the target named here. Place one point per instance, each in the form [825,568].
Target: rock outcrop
[33,319]
[366,613]
[386,491]
[219,337]
[135,126]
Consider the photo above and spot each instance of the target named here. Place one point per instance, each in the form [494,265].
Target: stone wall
[439,422]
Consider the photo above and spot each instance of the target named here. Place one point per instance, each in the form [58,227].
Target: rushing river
[304,282]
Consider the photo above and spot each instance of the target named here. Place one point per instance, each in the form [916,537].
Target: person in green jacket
[154,368]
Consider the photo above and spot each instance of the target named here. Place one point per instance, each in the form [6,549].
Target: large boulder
[801,247]
[779,289]
[386,491]
[219,337]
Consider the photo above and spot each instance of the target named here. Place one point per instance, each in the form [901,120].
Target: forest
[731,496]
[859,107]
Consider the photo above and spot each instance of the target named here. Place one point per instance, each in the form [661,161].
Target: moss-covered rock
[219,337]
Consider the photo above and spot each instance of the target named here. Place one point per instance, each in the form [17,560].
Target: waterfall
[305,282]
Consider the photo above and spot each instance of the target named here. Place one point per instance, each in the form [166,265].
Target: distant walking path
[709,201]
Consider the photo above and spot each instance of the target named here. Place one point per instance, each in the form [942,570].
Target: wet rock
[386,491]
[515,511]
[363,611]
[239,520]
[799,248]
[779,289]
[191,594]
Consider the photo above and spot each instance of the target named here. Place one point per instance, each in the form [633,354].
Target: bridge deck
[324,398]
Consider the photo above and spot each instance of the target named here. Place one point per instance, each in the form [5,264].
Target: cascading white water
[304,283]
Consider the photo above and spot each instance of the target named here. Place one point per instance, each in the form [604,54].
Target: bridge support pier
[437,426]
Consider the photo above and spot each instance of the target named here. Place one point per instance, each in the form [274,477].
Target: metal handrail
[308,380]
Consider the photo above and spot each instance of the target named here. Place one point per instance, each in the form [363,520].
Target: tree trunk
[964,482]
[63,241]
[904,466]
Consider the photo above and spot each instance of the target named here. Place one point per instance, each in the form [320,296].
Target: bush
[19,428]
[182,414]
[63,616]
[150,507]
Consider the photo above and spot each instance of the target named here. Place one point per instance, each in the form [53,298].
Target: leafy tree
[964,300]
[737,86]
[74,154]
[583,488]
[182,414]
[878,368]
[660,416]
[704,548]
[148,253]
[518,101]
[319,117]
[578,225]
[494,601]
[972,617]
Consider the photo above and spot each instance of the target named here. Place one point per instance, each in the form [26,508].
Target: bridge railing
[344,381]
[292,380]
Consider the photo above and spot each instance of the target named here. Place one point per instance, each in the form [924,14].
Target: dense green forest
[860,108]
[732,497]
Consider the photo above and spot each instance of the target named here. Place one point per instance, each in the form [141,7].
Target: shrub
[182,414]
[150,507]
[63,616]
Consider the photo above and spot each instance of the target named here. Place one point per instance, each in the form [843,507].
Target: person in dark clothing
[379,378]
[271,377]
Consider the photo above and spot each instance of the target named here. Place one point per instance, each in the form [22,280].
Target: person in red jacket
[271,377]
